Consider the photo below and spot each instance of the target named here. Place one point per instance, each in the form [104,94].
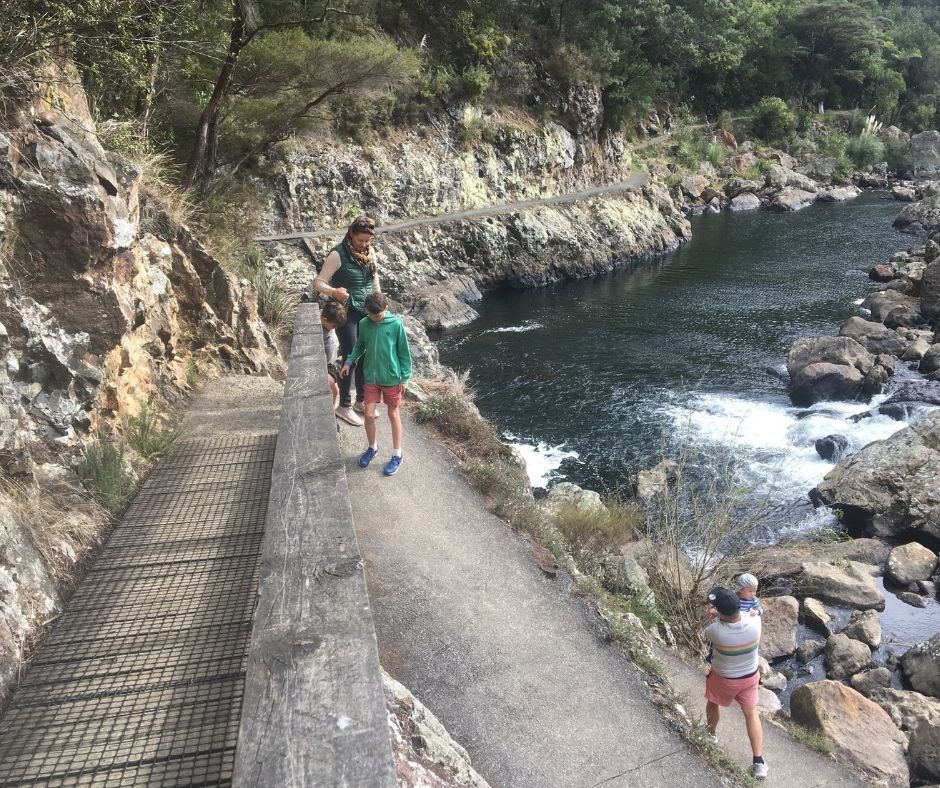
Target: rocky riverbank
[880,702]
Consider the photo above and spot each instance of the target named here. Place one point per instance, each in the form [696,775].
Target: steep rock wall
[432,269]
[97,317]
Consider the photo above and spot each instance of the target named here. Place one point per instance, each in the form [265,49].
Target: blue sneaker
[367,456]
[393,465]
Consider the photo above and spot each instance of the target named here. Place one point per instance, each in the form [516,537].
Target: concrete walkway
[503,655]
[791,764]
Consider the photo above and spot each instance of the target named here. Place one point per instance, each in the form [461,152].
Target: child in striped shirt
[746,588]
[748,604]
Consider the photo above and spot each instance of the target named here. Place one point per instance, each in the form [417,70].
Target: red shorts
[390,394]
[722,691]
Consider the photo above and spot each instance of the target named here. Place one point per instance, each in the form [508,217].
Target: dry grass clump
[594,531]
[450,411]
[63,530]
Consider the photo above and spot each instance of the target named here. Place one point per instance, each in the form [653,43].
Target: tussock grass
[277,299]
[107,473]
[149,433]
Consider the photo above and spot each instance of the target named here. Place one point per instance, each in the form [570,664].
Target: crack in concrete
[637,768]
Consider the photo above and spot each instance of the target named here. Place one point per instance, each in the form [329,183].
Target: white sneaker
[349,416]
[359,406]
[759,770]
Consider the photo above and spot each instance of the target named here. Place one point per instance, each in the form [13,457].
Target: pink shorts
[390,394]
[722,691]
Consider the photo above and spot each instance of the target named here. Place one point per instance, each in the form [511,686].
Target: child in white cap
[746,588]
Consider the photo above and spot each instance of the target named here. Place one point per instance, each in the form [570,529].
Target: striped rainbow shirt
[734,646]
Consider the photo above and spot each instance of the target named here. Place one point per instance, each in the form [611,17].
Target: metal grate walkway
[141,679]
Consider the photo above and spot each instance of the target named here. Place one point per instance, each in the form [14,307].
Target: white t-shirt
[330,345]
[734,646]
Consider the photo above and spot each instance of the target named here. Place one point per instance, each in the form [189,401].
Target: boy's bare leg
[712,716]
[370,423]
[394,416]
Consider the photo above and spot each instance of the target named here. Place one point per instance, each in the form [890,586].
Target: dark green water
[605,367]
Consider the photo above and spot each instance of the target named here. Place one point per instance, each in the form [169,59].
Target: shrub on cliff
[772,119]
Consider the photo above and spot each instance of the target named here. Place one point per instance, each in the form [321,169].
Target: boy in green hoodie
[383,342]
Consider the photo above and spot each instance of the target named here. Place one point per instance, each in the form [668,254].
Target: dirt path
[506,657]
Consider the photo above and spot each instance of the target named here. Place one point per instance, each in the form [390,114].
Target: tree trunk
[144,103]
[197,158]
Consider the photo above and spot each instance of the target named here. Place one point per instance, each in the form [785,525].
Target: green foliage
[865,150]
[772,119]
[106,473]
[149,433]
[895,154]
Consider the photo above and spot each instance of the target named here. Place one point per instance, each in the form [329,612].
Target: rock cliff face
[435,270]
[97,316]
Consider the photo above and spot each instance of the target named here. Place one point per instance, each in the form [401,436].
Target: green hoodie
[385,346]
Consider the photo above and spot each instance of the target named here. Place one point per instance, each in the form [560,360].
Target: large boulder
[862,734]
[693,185]
[832,447]
[909,563]
[822,381]
[778,626]
[870,681]
[930,361]
[891,488]
[907,709]
[922,159]
[873,336]
[568,494]
[791,199]
[820,168]
[882,302]
[838,193]
[815,616]
[921,665]
[780,178]
[832,350]
[745,202]
[865,627]
[924,751]
[849,583]
[920,218]
[845,657]
[654,483]
[736,186]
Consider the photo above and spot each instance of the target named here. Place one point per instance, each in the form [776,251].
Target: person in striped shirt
[734,673]
[746,587]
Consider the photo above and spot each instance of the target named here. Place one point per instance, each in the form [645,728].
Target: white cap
[746,580]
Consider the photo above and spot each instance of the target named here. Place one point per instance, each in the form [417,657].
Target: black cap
[724,601]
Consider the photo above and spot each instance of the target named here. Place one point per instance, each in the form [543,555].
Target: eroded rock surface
[862,733]
[891,488]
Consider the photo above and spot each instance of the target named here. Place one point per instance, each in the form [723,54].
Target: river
[596,379]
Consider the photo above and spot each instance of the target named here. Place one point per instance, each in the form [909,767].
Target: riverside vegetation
[127,225]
